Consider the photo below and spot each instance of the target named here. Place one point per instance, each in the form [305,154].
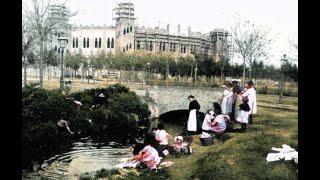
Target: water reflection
[85,156]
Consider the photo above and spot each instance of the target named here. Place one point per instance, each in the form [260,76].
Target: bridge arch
[162,99]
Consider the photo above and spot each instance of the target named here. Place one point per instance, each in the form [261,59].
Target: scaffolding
[123,11]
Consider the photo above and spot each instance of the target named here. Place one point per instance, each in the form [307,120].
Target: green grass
[237,155]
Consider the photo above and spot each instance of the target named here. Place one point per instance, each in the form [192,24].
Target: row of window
[97,43]
[162,46]
[126,30]
[127,47]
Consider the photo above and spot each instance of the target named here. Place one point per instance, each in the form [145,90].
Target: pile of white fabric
[204,135]
[286,152]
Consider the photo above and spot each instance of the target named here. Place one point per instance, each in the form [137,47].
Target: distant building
[125,36]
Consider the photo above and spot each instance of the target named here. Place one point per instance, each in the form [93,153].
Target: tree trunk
[41,63]
[48,72]
[25,71]
[244,72]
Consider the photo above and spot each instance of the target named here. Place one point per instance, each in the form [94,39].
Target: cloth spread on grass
[286,152]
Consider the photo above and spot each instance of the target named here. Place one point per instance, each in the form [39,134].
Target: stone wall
[164,99]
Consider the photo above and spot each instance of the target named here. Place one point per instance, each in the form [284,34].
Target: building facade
[126,37]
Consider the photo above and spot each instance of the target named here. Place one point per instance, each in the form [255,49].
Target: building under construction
[125,36]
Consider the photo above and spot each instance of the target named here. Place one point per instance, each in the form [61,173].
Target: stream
[84,157]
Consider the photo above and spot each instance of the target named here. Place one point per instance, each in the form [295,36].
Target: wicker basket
[206,141]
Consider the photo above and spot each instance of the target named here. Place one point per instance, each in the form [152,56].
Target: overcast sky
[202,15]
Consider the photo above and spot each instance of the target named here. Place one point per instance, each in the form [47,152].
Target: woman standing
[193,120]
[226,105]
[251,94]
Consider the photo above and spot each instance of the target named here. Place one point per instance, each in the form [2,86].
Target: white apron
[192,121]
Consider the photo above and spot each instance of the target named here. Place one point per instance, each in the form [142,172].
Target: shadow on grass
[279,108]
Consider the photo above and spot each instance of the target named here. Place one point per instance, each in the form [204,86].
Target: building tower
[60,14]
[123,14]
[220,39]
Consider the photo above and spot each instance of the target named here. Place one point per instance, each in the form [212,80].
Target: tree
[43,22]
[293,54]
[250,41]
[51,60]
[74,61]
[28,39]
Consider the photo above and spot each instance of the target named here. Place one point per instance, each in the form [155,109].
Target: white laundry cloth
[286,152]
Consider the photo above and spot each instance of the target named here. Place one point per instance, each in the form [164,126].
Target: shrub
[113,118]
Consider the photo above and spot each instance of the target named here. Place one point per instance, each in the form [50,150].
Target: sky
[281,16]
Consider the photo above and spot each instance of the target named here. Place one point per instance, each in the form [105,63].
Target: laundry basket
[206,141]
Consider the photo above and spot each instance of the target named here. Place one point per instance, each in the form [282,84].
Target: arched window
[164,46]
[127,29]
[73,42]
[112,43]
[130,46]
[160,46]
[87,42]
[95,43]
[108,43]
[124,31]
[127,47]
[76,42]
[99,42]
[84,42]
[138,45]
[130,28]
[151,46]
[184,49]
[55,48]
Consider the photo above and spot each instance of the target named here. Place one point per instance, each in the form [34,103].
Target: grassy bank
[234,155]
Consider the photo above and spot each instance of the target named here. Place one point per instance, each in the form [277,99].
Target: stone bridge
[162,99]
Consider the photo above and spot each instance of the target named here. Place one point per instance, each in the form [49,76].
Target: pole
[195,72]
[61,77]
[282,77]
[88,74]
[167,73]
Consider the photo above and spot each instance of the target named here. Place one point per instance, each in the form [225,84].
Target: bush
[262,90]
[276,91]
[119,110]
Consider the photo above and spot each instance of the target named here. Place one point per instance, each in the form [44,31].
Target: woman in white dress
[251,94]
[149,156]
[226,105]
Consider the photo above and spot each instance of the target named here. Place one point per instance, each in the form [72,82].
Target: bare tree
[42,21]
[27,41]
[293,54]
[250,41]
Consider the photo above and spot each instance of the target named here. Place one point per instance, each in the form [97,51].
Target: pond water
[84,157]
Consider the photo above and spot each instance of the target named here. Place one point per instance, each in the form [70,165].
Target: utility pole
[195,72]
